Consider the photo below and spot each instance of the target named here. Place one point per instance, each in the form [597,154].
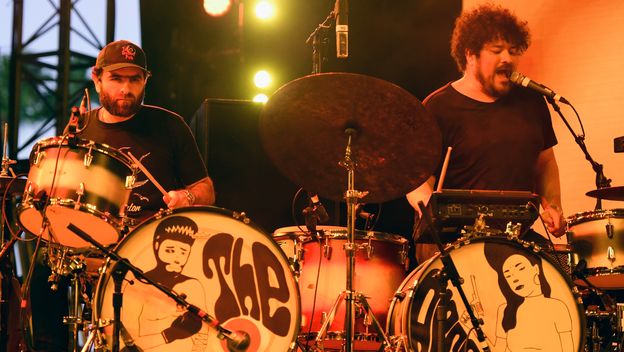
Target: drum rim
[594,215]
[114,222]
[337,232]
[84,143]
[461,242]
[103,279]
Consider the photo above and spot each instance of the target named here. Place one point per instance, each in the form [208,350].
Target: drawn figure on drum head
[166,325]
[530,318]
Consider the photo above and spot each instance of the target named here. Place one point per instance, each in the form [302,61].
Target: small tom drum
[598,238]
[380,266]
[524,300]
[87,184]
[222,264]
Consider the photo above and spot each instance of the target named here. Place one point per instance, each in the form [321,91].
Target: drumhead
[523,298]
[223,264]
[81,143]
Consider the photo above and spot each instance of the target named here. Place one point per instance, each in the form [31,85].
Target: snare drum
[88,184]
[524,300]
[221,263]
[380,265]
[598,238]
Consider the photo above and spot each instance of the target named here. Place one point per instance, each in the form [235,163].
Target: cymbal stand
[349,296]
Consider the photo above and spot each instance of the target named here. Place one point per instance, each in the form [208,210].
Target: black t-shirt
[163,143]
[495,145]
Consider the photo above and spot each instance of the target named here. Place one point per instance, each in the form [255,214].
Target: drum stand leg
[360,299]
[74,319]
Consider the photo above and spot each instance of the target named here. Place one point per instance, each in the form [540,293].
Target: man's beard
[489,85]
[125,109]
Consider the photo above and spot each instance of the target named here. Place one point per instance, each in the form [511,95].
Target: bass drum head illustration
[525,300]
[220,263]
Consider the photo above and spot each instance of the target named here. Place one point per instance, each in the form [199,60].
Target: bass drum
[222,263]
[525,301]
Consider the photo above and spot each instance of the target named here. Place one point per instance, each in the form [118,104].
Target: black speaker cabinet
[228,138]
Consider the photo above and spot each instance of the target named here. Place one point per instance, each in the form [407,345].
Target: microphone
[314,214]
[522,80]
[359,210]
[238,341]
[319,209]
[342,28]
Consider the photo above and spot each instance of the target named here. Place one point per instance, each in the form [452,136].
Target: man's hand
[178,198]
[554,220]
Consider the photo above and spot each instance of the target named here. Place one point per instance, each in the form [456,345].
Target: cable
[292,210]
[550,240]
[318,269]
[316,281]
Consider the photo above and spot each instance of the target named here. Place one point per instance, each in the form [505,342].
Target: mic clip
[72,127]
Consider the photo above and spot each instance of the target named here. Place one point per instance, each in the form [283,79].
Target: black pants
[49,333]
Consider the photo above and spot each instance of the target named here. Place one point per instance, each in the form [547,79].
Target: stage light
[262,79]
[217,8]
[261,98]
[265,10]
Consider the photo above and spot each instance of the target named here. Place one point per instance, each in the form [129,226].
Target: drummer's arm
[422,193]
[199,193]
[549,189]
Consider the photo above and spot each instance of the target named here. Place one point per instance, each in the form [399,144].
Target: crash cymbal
[397,144]
[608,193]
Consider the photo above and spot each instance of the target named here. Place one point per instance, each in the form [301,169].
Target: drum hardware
[447,273]
[604,330]
[236,339]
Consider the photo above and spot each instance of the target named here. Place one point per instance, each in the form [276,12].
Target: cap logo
[128,52]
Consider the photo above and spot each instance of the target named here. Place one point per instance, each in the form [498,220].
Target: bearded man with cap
[159,138]
[156,136]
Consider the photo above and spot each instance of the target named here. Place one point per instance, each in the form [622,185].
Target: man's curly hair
[484,24]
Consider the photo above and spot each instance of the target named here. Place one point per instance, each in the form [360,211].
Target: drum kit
[207,279]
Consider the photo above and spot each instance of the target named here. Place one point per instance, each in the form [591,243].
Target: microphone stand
[123,266]
[601,180]
[449,272]
[319,41]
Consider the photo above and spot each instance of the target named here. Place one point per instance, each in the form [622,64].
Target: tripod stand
[349,296]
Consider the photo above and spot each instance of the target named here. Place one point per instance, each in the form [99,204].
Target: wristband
[189,196]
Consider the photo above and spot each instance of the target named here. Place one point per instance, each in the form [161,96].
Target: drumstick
[444,167]
[148,174]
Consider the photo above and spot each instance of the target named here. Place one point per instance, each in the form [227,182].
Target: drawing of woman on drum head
[530,319]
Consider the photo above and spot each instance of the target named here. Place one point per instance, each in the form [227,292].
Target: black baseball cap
[120,54]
